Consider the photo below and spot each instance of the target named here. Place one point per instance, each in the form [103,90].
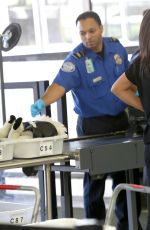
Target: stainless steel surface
[20,163]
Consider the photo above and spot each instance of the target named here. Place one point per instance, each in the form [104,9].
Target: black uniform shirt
[143,85]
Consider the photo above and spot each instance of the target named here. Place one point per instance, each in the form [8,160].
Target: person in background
[88,72]
[137,76]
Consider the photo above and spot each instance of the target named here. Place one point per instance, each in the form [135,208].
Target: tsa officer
[88,72]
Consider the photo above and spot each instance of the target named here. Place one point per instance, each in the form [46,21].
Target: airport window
[47,26]
[121,18]
[22,13]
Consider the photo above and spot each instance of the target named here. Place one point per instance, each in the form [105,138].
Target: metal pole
[48,191]
[2,84]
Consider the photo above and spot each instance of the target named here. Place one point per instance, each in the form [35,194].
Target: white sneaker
[4,131]
[16,129]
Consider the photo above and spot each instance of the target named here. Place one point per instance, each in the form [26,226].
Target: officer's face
[91,34]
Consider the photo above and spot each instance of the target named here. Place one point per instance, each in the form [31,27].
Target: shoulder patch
[113,39]
[78,55]
[68,67]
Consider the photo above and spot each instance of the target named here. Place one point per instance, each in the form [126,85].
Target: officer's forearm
[53,93]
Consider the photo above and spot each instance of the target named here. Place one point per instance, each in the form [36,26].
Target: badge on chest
[89,65]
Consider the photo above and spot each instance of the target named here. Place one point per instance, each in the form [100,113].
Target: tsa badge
[89,65]
[118,59]
[68,67]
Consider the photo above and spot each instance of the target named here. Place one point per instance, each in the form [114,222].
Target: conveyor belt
[106,154]
[71,145]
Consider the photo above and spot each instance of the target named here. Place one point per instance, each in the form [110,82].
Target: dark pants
[94,188]
[147,180]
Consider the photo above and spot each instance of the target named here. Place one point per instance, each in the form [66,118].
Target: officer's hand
[37,107]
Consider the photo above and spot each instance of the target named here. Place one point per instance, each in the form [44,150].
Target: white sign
[17,218]
[46,148]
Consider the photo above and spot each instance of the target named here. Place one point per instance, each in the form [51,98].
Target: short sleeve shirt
[143,85]
[90,76]
[132,73]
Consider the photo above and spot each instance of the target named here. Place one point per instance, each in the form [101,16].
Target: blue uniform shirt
[90,76]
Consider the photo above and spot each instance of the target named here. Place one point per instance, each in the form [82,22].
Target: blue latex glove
[37,107]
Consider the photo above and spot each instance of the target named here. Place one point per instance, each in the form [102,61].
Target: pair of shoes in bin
[39,129]
[44,127]
[14,128]
[17,129]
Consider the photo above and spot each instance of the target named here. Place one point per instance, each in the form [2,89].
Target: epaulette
[78,55]
[113,39]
